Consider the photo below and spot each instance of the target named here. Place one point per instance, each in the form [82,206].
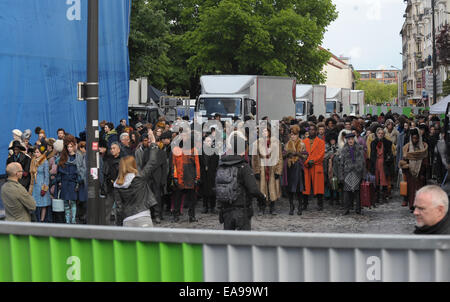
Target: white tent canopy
[441,106]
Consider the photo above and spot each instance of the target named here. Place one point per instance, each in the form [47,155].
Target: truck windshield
[331,107]
[137,115]
[300,108]
[224,106]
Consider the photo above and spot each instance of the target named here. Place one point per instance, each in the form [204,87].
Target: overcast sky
[367,31]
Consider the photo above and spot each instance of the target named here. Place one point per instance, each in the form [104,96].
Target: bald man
[431,211]
[18,203]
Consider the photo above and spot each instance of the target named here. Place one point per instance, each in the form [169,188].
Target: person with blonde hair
[133,194]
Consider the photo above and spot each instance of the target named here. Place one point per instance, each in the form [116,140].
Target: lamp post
[95,208]
[434,52]
[399,87]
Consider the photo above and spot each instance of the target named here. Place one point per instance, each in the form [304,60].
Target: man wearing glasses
[18,203]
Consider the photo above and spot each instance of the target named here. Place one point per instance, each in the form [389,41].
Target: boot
[291,204]
[305,202]
[320,202]
[300,206]
[291,207]
[272,208]
[205,210]
[175,216]
[192,215]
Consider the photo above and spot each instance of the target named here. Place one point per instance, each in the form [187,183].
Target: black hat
[351,134]
[17,144]
[166,135]
[331,135]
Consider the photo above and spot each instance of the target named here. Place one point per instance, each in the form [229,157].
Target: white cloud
[374,10]
[355,52]
[382,67]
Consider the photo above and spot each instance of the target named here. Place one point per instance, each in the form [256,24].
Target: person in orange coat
[186,175]
[314,177]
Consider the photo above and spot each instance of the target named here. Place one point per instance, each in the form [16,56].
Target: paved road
[389,218]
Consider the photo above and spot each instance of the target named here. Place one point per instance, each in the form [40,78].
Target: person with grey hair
[431,211]
[18,203]
[125,148]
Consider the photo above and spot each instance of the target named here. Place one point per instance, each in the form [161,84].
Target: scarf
[35,163]
[352,152]
[294,147]
[416,157]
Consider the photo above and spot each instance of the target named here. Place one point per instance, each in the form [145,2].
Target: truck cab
[303,102]
[228,106]
[333,102]
[144,114]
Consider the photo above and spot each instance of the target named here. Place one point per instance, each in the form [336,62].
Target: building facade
[339,72]
[382,76]
[417,51]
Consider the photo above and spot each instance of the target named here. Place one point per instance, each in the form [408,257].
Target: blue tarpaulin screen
[43,56]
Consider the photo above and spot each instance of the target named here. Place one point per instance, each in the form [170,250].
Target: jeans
[70,209]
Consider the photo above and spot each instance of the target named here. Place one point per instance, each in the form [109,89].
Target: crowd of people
[144,176]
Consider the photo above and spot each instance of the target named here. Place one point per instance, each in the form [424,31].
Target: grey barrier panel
[270,256]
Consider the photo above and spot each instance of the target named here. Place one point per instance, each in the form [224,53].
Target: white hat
[17,132]
[58,145]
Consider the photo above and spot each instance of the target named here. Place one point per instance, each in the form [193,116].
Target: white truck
[356,102]
[303,101]
[140,108]
[239,95]
[310,101]
[334,103]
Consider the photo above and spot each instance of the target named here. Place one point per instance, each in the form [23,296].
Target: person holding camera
[235,187]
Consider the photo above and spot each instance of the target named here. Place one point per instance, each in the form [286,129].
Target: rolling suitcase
[365,194]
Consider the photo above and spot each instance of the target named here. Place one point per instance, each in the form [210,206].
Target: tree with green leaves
[262,37]
[148,43]
[376,92]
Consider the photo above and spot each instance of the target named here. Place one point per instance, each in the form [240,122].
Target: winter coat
[135,195]
[347,165]
[274,155]
[316,152]
[68,177]
[81,162]
[41,179]
[110,172]
[208,171]
[139,157]
[25,161]
[18,203]
[393,137]
[388,157]
[246,181]
[157,177]
[186,168]
[329,161]
[442,227]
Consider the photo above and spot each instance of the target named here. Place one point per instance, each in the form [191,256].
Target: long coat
[25,161]
[42,178]
[68,177]
[347,165]
[271,188]
[208,171]
[316,152]
[388,161]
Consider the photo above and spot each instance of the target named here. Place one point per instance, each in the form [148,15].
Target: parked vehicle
[239,95]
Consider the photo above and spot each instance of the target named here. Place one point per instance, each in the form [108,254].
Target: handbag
[403,188]
[58,203]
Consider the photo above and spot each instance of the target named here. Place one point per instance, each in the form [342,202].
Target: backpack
[227,186]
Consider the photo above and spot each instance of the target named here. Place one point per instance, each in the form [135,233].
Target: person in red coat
[314,177]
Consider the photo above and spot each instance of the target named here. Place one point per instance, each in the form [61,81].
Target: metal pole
[434,54]
[94,207]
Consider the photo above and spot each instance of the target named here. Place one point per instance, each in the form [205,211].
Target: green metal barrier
[46,259]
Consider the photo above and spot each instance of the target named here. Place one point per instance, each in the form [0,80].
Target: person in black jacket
[24,160]
[208,170]
[431,211]
[381,163]
[236,214]
[110,172]
[133,194]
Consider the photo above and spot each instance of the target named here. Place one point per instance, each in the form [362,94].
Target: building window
[389,75]
[379,75]
[365,75]
[373,75]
